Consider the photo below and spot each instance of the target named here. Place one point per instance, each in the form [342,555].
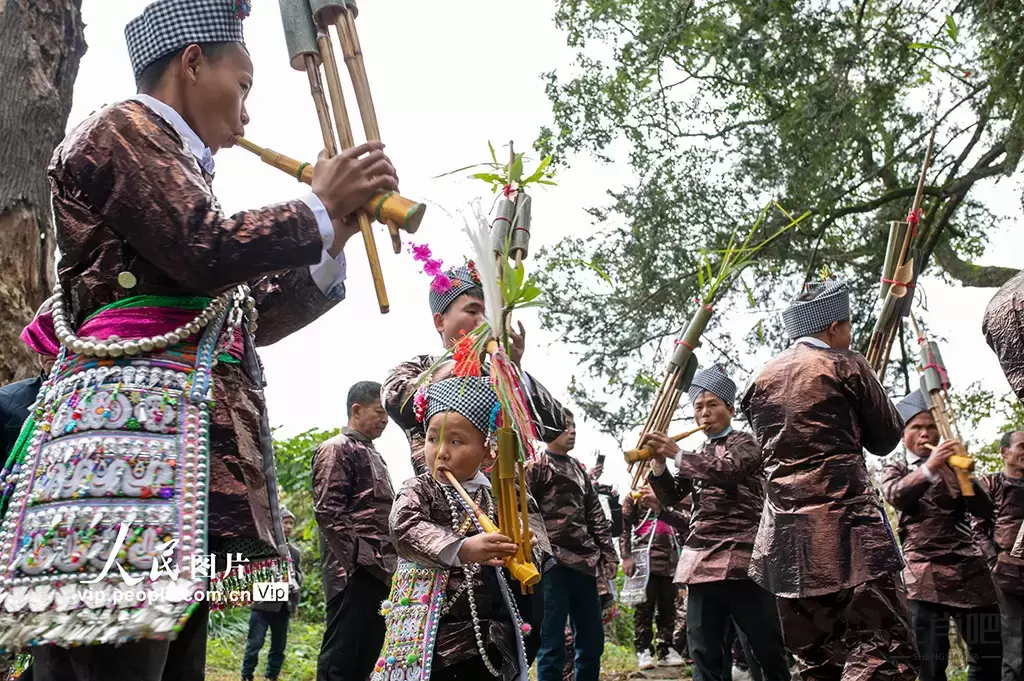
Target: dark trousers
[1011,611]
[259,622]
[858,634]
[734,638]
[709,609]
[661,598]
[354,634]
[183,659]
[573,594]
[977,627]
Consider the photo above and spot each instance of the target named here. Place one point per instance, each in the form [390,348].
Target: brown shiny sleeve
[881,426]
[979,505]
[984,528]
[722,463]
[287,302]
[628,525]
[330,506]
[415,535]
[398,388]
[599,525]
[670,490]
[675,516]
[902,487]
[145,186]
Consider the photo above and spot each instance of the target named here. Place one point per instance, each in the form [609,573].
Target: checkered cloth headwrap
[472,397]
[911,405]
[170,25]
[713,379]
[808,317]
[462,282]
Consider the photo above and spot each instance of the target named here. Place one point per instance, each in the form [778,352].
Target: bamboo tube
[524,573]
[933,387]
[352,52]
[344,128]
[316,89]
[383,206]
[644,454]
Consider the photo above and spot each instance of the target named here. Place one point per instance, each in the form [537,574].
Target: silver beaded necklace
[243,307]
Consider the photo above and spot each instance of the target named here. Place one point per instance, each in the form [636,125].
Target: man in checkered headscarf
[946,573]
[138,224]
[458,310]
[724,474]
[824,546]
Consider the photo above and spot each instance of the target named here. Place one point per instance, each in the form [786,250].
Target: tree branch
[969,274]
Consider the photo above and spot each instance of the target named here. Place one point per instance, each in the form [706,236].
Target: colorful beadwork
[116,457]
[411,613]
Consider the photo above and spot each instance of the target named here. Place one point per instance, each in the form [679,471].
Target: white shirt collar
[816,342]
[914,459]
[202,152]
[476,482]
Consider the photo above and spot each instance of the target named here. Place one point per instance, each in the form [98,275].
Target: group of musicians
[153,324]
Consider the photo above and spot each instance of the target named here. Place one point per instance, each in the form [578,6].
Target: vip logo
[270,591]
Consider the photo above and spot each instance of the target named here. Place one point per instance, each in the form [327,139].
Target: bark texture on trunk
[41,44]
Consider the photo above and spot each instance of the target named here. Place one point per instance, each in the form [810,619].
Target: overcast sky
[446,78]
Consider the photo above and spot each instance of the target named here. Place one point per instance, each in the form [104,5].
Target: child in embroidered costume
[454,612]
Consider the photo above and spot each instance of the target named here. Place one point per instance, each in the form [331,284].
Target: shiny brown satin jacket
[728,489]
[128,195]
[580,532]
[997,534]
[944,562]
[639,521]
[352,499]
[400,386]
[1003,326]
[421,529]
[824,529]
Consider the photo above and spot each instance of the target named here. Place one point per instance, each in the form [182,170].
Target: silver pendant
[127,280]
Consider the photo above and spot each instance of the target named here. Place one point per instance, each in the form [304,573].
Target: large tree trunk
[41,44]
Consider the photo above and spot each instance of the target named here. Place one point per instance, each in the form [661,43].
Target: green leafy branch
[501,175]
[734,258]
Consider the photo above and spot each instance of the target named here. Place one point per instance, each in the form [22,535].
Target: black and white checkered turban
[167,26]
[808,317]
[472,397]
[714,380]
[911,405]
[462,281]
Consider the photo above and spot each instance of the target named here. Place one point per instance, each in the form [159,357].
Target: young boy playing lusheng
[454,611]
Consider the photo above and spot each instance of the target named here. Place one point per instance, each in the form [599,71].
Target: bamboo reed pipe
[344,128]
[645,454]
[383,206]
[524,572]
[316,89]
[352,52]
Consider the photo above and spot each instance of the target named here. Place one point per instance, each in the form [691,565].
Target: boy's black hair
[151,75]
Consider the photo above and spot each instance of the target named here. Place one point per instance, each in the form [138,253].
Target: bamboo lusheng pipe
[524,573]
[352,51]
[344,128]
[384,206]
[933,387]
[644,454]
[882,337]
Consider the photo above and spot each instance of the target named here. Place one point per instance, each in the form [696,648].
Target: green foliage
[501,175]
[718,106]
[294,458]
[227,644]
